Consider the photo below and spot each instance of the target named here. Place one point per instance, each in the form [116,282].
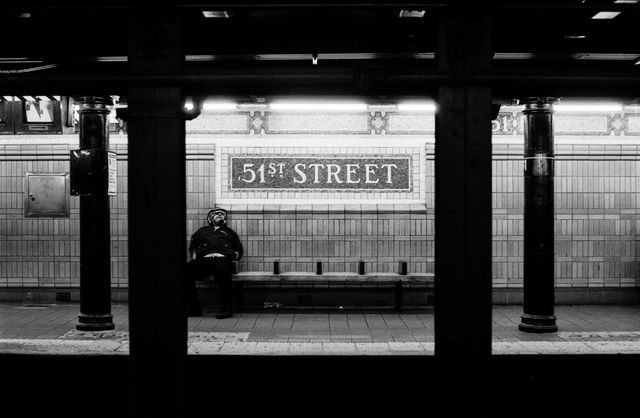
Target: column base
[95,322]
[538,323]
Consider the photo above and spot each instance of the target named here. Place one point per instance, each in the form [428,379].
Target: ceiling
[551,44]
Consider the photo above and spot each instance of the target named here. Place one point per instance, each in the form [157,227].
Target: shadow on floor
[540,385]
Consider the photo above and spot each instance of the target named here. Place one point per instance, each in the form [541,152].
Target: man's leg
[196,270]
[222,273]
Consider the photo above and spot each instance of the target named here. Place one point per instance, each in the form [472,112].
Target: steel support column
[157,220]
[95,242]
[538,313]
[463,219]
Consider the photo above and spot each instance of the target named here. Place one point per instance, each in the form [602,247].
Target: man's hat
[214,210]
[217,209]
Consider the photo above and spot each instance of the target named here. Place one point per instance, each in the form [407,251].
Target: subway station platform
[584,329]
[275,363]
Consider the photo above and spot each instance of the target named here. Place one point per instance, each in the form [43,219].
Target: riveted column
[89,181]
[538,313]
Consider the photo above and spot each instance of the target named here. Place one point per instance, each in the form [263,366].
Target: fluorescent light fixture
[411,13]
[575,36]
[212,14]
[422,106]
[217,105]
[633,108]
[626,1]
[319,106]
[513,55]
[587,107]
[9,60]
[305,57]
[253,106]
[605,15]
[115,58]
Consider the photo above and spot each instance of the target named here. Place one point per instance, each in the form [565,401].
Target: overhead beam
[357,79]
[45,5]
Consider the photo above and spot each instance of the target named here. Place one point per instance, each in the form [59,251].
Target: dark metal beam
[355,80]
[463,219]
[538,280]
[157,222]
[95,238]
[44,5]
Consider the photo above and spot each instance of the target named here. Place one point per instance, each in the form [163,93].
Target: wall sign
[321,173]
[112,174]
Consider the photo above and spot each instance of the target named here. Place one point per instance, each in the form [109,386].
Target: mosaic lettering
[318,173]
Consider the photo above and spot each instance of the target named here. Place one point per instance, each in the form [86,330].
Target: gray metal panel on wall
[46,195]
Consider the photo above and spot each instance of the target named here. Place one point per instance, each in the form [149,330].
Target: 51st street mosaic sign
[380,173]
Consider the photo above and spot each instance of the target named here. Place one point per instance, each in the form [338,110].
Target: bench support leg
[398,295]
[238,296]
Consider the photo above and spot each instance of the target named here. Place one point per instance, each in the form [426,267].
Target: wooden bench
[330,281]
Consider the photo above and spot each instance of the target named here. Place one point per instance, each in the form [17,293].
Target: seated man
[213,248]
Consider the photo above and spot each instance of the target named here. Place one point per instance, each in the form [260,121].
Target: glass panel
[39,111]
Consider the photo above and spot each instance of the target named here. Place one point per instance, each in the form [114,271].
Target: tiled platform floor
[582,329]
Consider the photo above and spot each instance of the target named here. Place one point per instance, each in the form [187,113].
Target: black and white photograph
[330,208]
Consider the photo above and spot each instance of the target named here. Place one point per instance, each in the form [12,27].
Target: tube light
[411,13]
[216,105]
[253,106]
[417,107]
[633,108]
[588,107]
[216,14]
[605,15]
[319,106]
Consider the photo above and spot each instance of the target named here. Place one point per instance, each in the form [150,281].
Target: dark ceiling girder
[260,27]
[70,5]
[75,74]
[338,81]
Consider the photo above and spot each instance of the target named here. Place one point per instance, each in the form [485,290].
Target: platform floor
[586,329]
